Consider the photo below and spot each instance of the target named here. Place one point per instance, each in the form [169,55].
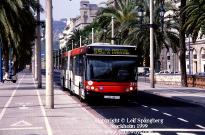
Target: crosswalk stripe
[186,134]
[167,114]
[154,109]
[200,126]
[163,130]
[150,134]
[182,120]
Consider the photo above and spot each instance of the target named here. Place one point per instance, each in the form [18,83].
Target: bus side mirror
[136,74]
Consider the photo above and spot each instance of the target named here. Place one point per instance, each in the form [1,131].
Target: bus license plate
[112,97]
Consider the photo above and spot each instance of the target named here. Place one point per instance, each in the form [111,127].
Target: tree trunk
[6,59]
[15,63]
[182,43]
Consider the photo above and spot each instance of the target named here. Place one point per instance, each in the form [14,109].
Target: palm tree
[17,23]
[195,14]
[123,12]
[75,38]
[132,27]
[182,56]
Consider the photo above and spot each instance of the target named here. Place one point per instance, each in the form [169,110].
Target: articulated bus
[104,70]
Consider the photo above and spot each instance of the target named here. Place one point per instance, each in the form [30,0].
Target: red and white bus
[108,71]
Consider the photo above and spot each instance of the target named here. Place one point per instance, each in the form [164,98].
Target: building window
[187,56]
[203,56]
[168,57]
[195,56]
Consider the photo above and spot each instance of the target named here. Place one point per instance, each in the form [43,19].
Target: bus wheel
[63,84]
[124,100]
[71,93]
[87,98]
[14,81]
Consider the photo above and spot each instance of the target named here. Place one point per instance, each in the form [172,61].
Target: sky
[66,8]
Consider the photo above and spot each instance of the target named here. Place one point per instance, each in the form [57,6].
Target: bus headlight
[90,82]
[92,87]
[131,88]
[88,87]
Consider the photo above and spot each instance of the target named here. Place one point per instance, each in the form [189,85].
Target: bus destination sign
[113,50]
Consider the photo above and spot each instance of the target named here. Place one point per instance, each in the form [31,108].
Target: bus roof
[109,45]
[101,49]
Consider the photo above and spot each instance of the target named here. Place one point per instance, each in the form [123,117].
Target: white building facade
[195,62]
[87,14]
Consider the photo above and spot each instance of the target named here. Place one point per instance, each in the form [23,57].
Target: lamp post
[38,50]
[140,14]
[92,35]
[112,38]
[151,26]
[49,56]
[1,64]
[80,41]
[104,32]
[161,14]
[151,46]
[189,55]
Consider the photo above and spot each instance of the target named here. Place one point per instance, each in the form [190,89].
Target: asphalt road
[151,114]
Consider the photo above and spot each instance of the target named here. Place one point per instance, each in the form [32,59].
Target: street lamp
[161,14]
[151,46]
[140,13]
[151,25]
[189,55]
[49,56]
[104,32]
[37,73]
[112,38]
[1,64]
[92,35]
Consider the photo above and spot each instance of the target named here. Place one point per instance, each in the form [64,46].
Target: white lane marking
[186,134]
[200,126]
[23,107]
[167,114]
[10,99]
[24,128]
[150,133]
[182,120]
[163,130]
[144,106]
[48,126]
[21,123]
[154,109]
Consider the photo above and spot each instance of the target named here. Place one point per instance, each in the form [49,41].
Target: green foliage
[131,29]
[17,24]
[195,18]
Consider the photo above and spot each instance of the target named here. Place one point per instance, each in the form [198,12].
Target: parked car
[142,71]
[200,74]
[174,72]
[164,72]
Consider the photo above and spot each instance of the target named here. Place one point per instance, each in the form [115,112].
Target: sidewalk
[186,94]
[23,112]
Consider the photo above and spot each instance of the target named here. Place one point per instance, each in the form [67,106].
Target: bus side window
[81,65]
[71,63]
[136,73]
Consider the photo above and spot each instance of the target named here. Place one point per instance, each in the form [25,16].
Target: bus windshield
[115,69]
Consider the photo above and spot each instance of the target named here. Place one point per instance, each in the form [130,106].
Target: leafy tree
[17,24]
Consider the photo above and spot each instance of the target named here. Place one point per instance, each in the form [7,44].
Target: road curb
[174,98]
